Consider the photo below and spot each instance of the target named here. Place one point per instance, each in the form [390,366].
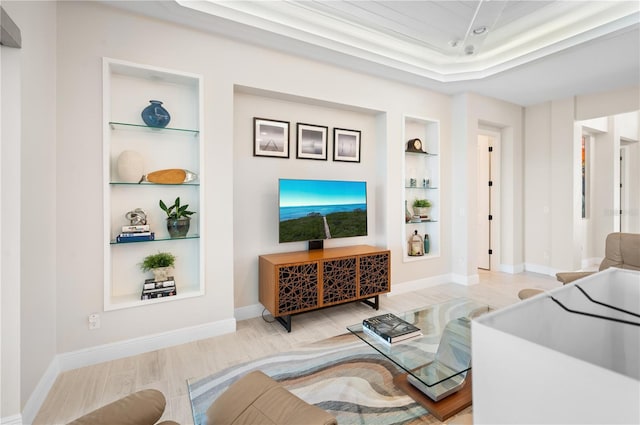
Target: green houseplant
[178,218]
[421,207]
[160,264]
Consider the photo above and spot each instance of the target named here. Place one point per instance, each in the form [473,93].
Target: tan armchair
[622,250]
[253,399]
[144,407]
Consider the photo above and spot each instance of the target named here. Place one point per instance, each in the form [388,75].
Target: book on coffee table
[390,328]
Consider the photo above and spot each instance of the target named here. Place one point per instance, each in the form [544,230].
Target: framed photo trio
[271,139]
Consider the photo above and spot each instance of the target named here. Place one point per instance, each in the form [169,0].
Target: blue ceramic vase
[155,115]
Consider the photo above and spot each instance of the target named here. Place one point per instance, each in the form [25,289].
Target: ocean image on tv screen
[322,209]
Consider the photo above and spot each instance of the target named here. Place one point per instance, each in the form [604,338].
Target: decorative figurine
[136,217]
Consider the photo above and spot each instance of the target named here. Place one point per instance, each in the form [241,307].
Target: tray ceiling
[444,40]
[449,46]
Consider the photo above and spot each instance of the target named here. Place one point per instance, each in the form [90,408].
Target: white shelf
[119,302]
[127,89]
[421,166]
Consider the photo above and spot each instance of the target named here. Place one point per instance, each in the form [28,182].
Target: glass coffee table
[437,363]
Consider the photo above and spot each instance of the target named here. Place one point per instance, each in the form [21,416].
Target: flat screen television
[313,210]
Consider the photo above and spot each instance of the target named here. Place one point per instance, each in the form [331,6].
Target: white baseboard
[11,420]
[536,268]
[511,268]
[132,347]
[117,350]
[40,392]
[415,285]
[465,280]
[590,263]
[248,312]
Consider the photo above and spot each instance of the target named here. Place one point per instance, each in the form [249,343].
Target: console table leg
[375,304]
[285,321]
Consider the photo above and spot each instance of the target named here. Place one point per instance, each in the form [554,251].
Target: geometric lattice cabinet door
[298,287]
[339,280]
[374,274]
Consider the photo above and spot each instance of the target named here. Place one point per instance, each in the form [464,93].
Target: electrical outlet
[94,321]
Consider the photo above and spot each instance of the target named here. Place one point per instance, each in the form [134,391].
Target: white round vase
[130,166]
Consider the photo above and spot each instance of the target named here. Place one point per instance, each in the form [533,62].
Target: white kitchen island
[536,362]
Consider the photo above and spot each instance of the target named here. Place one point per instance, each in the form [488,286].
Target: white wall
[599,105]
[537,183]
[565,186]
[255,180]
[342,98]
[10,232]
[33,175]
[628,126]
[86,33]
[62,276]
[555,233]
[472,113]
[551,175]
[344,105]
[605,177]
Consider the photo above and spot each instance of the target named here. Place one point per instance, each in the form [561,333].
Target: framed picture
[346,145]
[270,138]
[311,141]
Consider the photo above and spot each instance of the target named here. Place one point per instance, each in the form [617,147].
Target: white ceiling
[532,51]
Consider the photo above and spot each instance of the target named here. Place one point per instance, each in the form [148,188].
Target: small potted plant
[178,218]
[160,264]
[421,207]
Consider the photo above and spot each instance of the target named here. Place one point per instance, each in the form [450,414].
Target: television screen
[321,209]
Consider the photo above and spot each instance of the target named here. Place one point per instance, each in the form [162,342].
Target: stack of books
[158,289]
[390,328]
[136,233]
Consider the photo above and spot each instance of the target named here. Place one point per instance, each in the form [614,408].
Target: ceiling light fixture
[479,30]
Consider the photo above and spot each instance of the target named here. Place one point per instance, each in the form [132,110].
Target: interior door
[483,235]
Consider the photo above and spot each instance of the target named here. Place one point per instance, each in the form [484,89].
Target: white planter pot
[423,212]
[162,273]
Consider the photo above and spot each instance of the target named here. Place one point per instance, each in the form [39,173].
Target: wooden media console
[295,282]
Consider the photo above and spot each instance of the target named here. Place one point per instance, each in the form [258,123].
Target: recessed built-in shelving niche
[127,90]
[421,180]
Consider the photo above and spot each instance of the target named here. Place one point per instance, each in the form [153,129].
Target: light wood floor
[79,391]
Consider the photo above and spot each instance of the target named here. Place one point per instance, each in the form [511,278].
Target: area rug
[341,375]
